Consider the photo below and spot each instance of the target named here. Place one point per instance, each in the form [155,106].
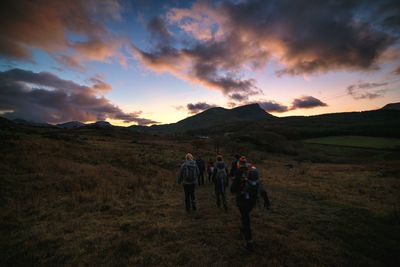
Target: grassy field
[99,197]
[358,141]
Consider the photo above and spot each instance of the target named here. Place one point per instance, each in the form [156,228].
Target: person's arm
[264,195]
[197,173]
[232,169]
[214,174]
[227,178]
[235,185]
[180,175]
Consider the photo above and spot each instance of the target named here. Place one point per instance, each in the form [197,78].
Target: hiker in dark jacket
[221,181]
[210,169]
[188,175]
[202,168]
[247,186]
[234,164]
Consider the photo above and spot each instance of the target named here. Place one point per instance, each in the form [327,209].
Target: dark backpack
[251,185]
[189,174]
[221,175]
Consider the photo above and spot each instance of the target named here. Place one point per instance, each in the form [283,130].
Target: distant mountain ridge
[211,117]
[252,118]
[71,125]
[392,106]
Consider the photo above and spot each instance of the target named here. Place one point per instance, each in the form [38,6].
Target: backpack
[189,174]
[221,175]
[251,185]
[251,188]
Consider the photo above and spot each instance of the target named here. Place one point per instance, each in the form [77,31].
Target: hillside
[216,121]
[385,123]
[212,117]
[252,120]
[71,125]
[109,197]
[392,106]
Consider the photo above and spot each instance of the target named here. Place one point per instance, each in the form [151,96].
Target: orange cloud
[45,24]
[222,39]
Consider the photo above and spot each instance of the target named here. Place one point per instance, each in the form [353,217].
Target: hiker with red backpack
[247,187]
[188,174]
[221,181]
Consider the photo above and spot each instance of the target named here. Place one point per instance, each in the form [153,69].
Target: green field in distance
[357,141]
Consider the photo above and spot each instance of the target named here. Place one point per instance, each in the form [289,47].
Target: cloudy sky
[142,62]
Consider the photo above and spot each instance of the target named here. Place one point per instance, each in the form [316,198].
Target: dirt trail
[209,235]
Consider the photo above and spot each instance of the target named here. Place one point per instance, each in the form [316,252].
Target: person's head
[220,158]
[237,156]
[189,156]
[242,163]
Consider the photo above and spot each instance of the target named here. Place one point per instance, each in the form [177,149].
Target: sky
[147,62]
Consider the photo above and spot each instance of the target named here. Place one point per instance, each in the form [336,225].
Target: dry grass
[111,199]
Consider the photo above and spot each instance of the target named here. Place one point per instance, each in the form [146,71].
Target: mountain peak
[252,112]
[71,125]
[216,116]
[248,106]
[392,106]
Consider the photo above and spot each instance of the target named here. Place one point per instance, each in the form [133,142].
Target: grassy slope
[357,141]
[110,198]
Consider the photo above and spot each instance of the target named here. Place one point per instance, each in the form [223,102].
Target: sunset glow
[145,62]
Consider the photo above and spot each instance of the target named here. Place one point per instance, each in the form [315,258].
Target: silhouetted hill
[251,120]
[368,123]
[71,125]
[211,117]
[99,124]
[32,123]
[392,106]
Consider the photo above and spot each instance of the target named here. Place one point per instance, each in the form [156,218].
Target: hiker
[221,181]
[210,169]
[234,165]
[247,186]
[202,168]
[188,175]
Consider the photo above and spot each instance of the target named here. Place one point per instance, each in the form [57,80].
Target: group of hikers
[245,184]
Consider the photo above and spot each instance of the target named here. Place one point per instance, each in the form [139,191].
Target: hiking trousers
[245,207]
[220,195]
[209,176]
[201,178]
[189,196]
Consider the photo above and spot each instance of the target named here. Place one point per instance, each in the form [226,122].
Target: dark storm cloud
[272,106]
[198,107]
[44,24]
[314,36]
[213,65]
[223,38]
[44,97]
[365,90]
[307,102]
